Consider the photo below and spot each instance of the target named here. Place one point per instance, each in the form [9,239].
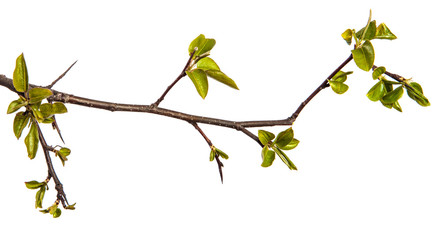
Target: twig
[61,76]
[324,84]
[218,161]
[182,74]
[61,196]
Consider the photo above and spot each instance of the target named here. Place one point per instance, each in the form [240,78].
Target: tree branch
[61,196]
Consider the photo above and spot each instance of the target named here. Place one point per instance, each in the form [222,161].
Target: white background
[365,172]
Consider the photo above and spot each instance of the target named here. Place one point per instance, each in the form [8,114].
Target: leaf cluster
[203,67]
[284,141]
[35,112]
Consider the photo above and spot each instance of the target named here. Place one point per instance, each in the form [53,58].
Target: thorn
[61,76]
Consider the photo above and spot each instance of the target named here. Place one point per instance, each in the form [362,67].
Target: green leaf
[16,105]
[59,108]
[284,138]
[205,46]
[39,197]
[377,91]
[285,158]
[265,137]
[199,79]
[369,34]
[34,184]
[293,143]
[222,78]
[20,78]
[415,92]
[56,213]
[38,94]
[338,87]
[221,153]
[196,43]
[341,76]
[31,141]
[393,96]
[268,156]
[347,35]
[364,56]
[207,64]
[212,155]
[71,207]
[397,106]
[378,72]
[20,121]
[383,32]
[62,154]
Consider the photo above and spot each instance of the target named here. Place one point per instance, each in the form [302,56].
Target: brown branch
[61,76]
[324,84]
[61,196]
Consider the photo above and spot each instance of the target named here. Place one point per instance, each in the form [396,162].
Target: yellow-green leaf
[376,92]
[347,36]
[199,79]
[34,184]
[265,137]
[268,156]
[20,121]
[16,105]
[378,72]
[207,64]
[196,43]
[222,78]
[31,141]
[38,94]
[20,78]
[284,138]
[383,32]
[285,158]
[338,87]
[364,56]
[292,144]
[393,96]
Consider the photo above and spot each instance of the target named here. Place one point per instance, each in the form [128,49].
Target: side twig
[218,161]
[182,74]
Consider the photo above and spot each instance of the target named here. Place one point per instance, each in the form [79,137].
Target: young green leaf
[383,32]
[20,121]
[369,34]
[62,154]
[268,156]
[378,72]
[265,137]
[222,78]
[34,184]
[16,105]
[212,155]
[338,87]
[20,77]
[285,158]
[364,56]
[415,92]
[39,197]
[59,108]
[38,94]
[207,64]
[347,35]
[196,43]
[376,92]
[397,106]
[199,79]
[205,46]
[393,96]
[56,213]
[292,144]
[31,141]
[221,153]
[71,207]
[341,76]
[284,138]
